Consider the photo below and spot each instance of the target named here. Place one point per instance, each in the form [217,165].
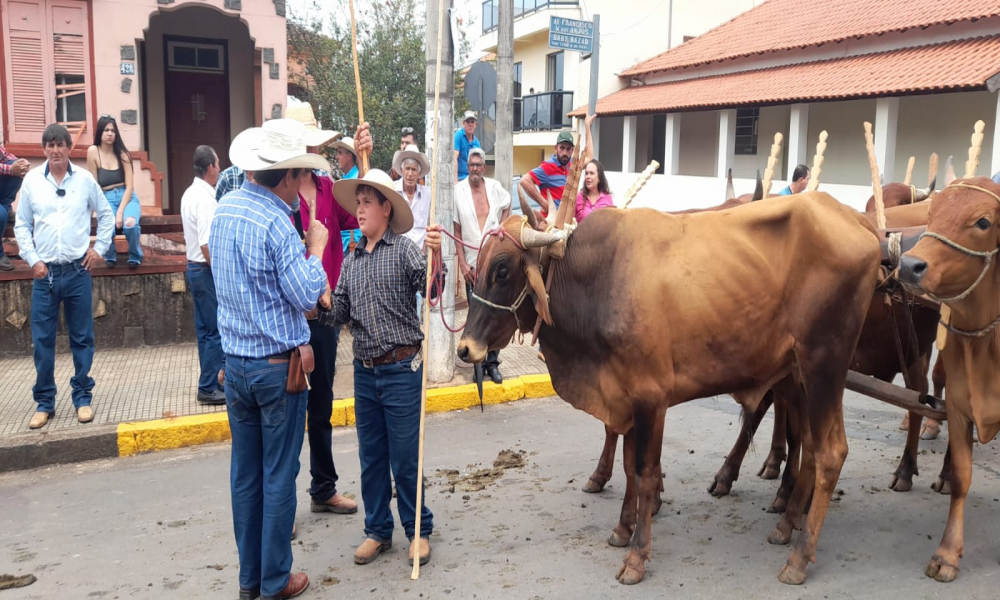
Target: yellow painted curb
[166,434]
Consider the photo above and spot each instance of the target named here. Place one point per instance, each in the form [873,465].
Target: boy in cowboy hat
[265,284]
[375,294]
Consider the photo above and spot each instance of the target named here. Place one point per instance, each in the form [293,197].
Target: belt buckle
[368,363]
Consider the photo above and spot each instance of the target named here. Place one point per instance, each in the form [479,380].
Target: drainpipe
[670,23]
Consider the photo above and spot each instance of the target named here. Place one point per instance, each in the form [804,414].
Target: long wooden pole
[363,156]
[909,170]
[415,574]
[817,166]
[876,180]
[772,161]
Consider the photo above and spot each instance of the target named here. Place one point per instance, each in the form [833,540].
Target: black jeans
[493,356]
[324,474]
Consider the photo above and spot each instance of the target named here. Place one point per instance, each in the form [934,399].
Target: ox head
[509,292]
[960,244]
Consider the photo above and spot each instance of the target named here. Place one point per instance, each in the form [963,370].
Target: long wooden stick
[932,168]
[772,161]
[876,179]
[909,170]
[357,84]
[817,167]
[425,326]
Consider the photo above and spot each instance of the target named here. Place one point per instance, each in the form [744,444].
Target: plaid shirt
[229,180]
[376,292]
[6,162]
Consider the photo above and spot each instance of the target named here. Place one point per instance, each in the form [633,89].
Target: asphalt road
[158,526]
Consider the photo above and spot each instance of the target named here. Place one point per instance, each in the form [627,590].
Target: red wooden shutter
[26,93]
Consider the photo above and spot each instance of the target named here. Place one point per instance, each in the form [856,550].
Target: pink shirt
[335,219]
[584,207]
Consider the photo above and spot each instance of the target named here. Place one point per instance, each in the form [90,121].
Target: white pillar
[727,142]
[631,124]
[995,166]
[798,138]
[672,151]
[886,118]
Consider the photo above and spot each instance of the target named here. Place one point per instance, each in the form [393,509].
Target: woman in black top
[111,165]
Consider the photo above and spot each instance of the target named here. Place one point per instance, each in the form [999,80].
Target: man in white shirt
[197,209]
[53,233]
[481,204]
[413,165]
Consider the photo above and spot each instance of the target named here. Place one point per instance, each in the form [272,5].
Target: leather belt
[393,356]
[281,357]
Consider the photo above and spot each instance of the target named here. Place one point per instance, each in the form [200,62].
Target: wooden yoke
[772,161]
[638,183]
[876,178]
[932,168]
[817,167]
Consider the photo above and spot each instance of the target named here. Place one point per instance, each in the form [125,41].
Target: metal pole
[503,150]
[595,58]
[441,362]
[670,24]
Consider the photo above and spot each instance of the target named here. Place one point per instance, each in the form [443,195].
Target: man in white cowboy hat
[375,294]
[413,165]
[315,135]
[481,204]
[465,140]
[347,162]
[264,285]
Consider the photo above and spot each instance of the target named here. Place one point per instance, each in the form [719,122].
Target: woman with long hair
[595,193]
[111,165]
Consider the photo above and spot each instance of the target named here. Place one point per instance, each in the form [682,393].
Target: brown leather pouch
[300,365]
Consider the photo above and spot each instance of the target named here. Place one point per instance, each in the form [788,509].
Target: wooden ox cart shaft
[925,405]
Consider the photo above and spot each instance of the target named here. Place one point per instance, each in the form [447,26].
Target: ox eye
[502,273]
[983,223]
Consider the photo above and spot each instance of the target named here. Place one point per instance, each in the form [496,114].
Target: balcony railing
[541,112]
[491,10]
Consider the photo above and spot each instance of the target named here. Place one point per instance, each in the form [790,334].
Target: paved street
[158,526]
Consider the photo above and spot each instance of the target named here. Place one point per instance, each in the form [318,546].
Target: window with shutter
[26,89]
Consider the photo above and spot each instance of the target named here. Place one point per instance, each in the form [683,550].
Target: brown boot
[85,414]
[425,550]
[369,551]
[297,583]
[337,504]
[39,419]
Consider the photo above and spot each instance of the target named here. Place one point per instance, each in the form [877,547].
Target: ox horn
[758,190]
[539,239]
[730,191]
[925,193]
[526,208]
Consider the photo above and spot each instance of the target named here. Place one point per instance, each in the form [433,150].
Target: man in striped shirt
[265,284]
[546,182]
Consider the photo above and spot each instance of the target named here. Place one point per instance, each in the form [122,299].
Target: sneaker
[5,263]
[215,398]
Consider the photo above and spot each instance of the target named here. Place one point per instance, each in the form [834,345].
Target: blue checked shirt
[230,179]
[263,280]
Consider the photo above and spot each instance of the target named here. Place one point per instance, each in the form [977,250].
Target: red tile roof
[778,25]
[952,66]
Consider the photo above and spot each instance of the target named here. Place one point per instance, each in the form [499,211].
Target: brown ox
[649,310]
[955,261]
[899,194]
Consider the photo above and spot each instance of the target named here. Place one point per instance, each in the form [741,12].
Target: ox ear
[538,287]
[758,190]
[730,191]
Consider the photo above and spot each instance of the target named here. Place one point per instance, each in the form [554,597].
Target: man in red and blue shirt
[546,182]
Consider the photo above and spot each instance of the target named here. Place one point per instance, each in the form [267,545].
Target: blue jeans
[267,426]
[324,473]
[9,185]
[70,285]
[132,211]
[206,307]
[387,410]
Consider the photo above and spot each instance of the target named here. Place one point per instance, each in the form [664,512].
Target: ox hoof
[792,576]
[930,430]
[592,487]
[941,571]
[901,483]
[656,505]
[778,506]
[771,469]
[779,537]
[632,571]
[720,487]
[618,538]
[941,486]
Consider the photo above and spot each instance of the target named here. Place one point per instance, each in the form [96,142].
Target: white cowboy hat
[278,144]
[315,136]
[345,189]
[347,143]
[411,152]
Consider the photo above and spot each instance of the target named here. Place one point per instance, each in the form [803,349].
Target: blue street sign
[571,34]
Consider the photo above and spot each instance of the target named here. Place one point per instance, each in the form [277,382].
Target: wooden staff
[932,168]
[425,326]
[641,181]
[772,161]
[909,170]
[817,167]
[363,156]
[876,179]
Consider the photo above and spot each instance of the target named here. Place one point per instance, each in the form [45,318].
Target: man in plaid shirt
[230,179]
[12,172]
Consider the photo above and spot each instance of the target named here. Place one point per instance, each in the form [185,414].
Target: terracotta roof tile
[952,66]
[779,25]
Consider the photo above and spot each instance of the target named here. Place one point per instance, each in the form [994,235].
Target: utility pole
[503,150]
[441,360]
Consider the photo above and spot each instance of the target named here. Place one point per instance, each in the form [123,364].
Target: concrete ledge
[32,450]
[167,434]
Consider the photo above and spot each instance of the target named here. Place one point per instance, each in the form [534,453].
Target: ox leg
[730,470]
[902,479]
[791,472]
[932,429]
[772,464]
[605,465]
[626,523]
[944,564]
[648,432]
[943,483]
[803,487]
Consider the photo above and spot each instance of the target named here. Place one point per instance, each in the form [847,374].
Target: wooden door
[197,113]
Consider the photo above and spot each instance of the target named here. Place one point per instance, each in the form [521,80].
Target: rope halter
[502,233]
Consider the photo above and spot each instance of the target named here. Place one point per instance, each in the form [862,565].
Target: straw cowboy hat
[411,152]
[278,144]
[315,136]
[347,143]
[345,193]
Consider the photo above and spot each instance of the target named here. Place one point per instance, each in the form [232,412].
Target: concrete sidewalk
[143,384]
